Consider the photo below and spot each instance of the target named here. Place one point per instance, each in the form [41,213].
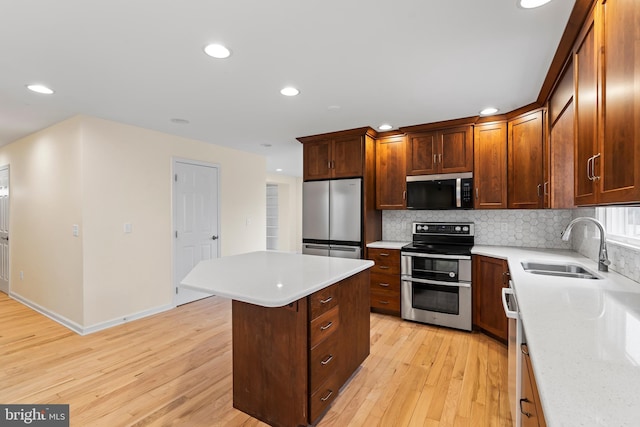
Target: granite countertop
[387,244]
[269,278]
[583,337]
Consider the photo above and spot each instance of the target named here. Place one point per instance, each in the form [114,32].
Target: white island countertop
[268,278]
[583,337]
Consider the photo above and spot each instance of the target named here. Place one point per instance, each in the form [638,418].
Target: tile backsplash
[533,228]
[586,240]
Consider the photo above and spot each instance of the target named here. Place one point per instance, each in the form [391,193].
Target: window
[622,223]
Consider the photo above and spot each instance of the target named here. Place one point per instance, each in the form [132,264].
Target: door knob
[214,237]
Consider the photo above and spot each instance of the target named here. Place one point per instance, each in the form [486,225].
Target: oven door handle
[438,282]
[434,256]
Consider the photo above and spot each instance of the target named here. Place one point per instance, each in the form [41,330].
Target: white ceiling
[403,62]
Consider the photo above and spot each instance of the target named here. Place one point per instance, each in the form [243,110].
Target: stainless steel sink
[560,270]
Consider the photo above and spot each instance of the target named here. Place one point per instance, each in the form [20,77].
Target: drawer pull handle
[327,326]
[384,267]
[327,360]
[383,254]
[383,302]
[324,399]
[384,285]
[324,301]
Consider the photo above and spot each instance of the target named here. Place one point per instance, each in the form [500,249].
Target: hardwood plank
[174,369]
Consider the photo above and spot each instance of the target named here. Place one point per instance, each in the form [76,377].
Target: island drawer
[323,326]
[386,282]
[323,361]
[323,396]
[323,300]
[387,260]
[385,300]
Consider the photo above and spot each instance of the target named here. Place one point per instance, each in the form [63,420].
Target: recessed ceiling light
[40,89]
[488,111]
[530,4]
[289,91]
[180,121]
[333,107]
[385,127]
[279,170]
[217,51]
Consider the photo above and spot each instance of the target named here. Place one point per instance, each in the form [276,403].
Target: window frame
[613,218]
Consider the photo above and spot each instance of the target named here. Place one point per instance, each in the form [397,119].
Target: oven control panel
[444,228]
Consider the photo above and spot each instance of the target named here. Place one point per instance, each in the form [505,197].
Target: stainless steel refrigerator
[332,218]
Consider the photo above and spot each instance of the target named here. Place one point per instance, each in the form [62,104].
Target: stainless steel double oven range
[436,274]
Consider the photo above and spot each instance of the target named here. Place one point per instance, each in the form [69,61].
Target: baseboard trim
[80,330]
[126,319]
[70,324]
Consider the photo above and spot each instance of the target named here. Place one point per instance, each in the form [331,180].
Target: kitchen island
[300,329]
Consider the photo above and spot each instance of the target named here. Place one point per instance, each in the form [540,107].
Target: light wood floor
[174,369]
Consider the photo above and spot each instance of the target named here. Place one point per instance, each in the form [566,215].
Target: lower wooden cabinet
[385,280]
[290,362]
[530,405]
[490,275]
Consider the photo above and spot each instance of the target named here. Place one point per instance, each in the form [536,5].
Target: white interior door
[195,222]
[4,229]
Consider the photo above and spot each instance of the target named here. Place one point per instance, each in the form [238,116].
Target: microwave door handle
[458,193]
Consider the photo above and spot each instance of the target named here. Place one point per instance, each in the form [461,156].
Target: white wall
[45,201]
[101,174]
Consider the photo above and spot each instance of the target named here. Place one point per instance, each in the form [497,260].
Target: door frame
[7,167]
[174,205]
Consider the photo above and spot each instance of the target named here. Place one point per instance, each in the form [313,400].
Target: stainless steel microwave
[445,191]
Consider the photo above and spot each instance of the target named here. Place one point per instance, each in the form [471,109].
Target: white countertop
[268,278]
[583,337]
[387,244]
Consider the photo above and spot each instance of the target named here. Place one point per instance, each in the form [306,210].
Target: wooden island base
[289,362]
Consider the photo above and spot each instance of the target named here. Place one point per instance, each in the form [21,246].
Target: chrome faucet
[603,257]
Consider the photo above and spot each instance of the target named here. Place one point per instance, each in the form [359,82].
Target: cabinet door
[348,157]
[316,159]
[391,169]
[530,405]
[525,158]
[490,275]
[620,148]
[490,166]
[586,113]
[455,150]
[559,170]
[421,154]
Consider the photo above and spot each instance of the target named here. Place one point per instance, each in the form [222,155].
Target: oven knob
[465,228]
[457,228]
[452,274]
[425,227]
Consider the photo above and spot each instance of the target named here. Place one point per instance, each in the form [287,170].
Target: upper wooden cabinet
[525,146]
[607,61]
[391,169]
[440,151]
[559,147]
[335,155]
[490,165]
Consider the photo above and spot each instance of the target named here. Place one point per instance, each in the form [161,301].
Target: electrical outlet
[22,275]
[75,230]
[504,227]
[128,228]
